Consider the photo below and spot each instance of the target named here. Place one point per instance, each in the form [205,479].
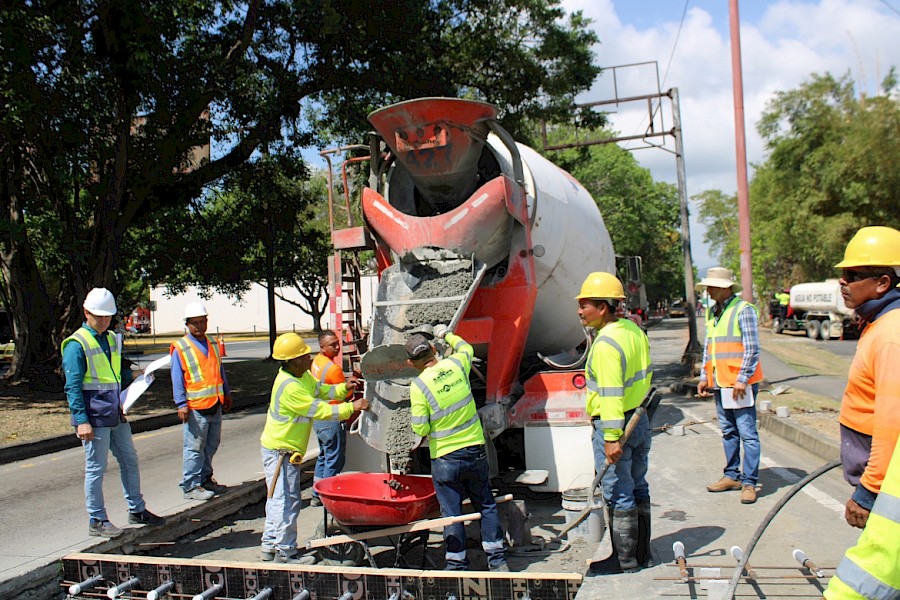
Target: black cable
[739,571]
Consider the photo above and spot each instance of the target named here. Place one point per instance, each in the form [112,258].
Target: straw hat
[720,277]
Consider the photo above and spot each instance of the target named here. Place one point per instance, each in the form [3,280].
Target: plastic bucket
[591,529]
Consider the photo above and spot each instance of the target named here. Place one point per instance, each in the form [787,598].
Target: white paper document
[729,401]
[142,382]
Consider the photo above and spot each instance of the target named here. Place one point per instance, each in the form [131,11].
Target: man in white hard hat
[297,400]
[201,394]
[731,369]
[92,363]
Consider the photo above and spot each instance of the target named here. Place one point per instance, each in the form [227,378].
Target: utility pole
[740,142]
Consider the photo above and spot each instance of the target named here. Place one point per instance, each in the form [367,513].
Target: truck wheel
[777,325]
[825,330]
[812,329]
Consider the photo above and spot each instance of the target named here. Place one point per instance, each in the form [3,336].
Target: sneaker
[307,559]
[748,494]
[145,517]
[103,529]
[723,485]
[501,568]
[315,501]
[215,486]
[199,493]
[266,555]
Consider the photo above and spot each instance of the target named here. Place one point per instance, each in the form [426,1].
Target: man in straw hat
[731,369]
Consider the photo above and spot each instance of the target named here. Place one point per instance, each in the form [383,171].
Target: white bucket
[591,529]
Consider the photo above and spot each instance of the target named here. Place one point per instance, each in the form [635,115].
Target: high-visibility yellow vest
[725,351]
[294,404]
[202,374]
[101,384]
[618,375]
[441,402]
[869,570]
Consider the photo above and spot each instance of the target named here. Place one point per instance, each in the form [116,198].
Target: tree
[641,215]
[104,104]
[718,212]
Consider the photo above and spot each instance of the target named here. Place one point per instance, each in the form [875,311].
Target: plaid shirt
[749,324]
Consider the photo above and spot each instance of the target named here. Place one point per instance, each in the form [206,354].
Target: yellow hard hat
[872,247]
[601,285]
[288,346]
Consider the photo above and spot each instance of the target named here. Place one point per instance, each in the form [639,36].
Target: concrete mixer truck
[470,228]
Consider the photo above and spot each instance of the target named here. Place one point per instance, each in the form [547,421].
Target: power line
[675,45]
[885,2]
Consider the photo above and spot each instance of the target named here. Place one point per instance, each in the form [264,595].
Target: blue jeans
[739,425]
[96,456]
[462,474]
[332,448]
[282,509]
[202,434]
[625,483]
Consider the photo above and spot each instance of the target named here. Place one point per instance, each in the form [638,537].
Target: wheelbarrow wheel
[348,554]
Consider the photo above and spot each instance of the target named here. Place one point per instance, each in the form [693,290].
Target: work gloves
[440,330]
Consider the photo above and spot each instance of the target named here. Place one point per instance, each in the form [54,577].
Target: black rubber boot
[625,538]
[644,554]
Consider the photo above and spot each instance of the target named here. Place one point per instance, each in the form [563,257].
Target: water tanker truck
[817,308]
[470,228]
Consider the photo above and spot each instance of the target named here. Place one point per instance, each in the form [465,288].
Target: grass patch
[804,357]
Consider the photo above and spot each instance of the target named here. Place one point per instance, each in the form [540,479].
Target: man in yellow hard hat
[731,369]
[297,400]
[618,373]
[870,409]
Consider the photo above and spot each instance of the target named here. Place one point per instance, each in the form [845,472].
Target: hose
[739,570]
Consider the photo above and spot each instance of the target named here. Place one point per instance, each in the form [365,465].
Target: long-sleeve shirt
[75,366]
[178,390]
[749,324]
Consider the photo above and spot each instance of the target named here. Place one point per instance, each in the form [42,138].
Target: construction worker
[297,399]
[730,366]
[618,379]
[201,394]
[92,363]
[784,301]
[869,570]
[870,408]
[442,407]
[332,435]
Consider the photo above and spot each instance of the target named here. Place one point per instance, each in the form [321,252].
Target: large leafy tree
[104,102]
[719,213]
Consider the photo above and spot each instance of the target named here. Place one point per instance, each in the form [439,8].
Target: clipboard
[728,400]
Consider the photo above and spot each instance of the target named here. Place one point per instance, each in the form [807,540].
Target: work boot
[500,568]
[748,494]
[724,485]
[296,559]
[644,554]
[145,517]
[214,486]
[625,538]
[267,554]
[315,501]
[102,529]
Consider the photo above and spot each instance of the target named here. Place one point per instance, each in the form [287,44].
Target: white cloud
[782,43]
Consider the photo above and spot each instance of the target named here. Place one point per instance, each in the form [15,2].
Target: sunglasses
[854,276]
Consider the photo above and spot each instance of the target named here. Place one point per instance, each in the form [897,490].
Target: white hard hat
[100,302]
[194,309]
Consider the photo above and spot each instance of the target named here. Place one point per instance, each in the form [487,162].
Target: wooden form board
[245,579]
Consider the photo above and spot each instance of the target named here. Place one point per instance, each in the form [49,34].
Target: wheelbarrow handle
[417,526]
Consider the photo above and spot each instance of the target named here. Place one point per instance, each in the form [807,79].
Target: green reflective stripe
[729,339]
[458,344]
[448,432]
[193,367]
[613,424]
[864,583]
[320,382]
[436,411]
[457,362]
[419,420]
[607,391]
[89,353]
[728,355]
[732,321]
[639,375]
[619,349]
[432,401]
[209,390]
[887,506]
[95,385]
[275,411]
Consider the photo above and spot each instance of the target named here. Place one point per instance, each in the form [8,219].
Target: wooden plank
[368,535]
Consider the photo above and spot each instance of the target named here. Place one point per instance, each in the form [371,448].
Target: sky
[783,42]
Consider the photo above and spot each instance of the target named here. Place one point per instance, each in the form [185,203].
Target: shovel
[605,541]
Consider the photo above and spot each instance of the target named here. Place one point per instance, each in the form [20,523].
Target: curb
[50,445]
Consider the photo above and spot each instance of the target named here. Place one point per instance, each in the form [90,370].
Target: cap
[417,347]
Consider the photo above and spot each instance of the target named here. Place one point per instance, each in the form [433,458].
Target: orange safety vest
[202,374]
[725,352]
[326,371]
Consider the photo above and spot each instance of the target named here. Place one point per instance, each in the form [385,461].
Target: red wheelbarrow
[365,506]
